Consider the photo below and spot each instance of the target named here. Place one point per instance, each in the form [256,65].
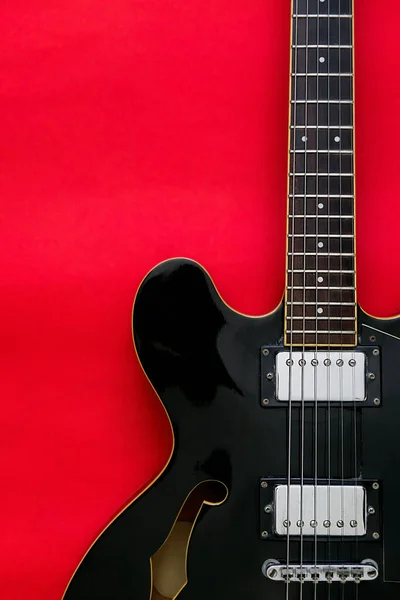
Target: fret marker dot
[337,139]
[320,244]
[322,59]
[320,311]
[304,138]
[320,279]
[320,205]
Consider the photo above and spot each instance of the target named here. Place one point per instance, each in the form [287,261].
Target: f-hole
[168,564]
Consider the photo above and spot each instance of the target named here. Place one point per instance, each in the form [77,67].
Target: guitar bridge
[367,570]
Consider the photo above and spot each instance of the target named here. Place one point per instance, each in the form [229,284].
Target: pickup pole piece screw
[264,484]
[375,352]
[270,376]
[371,510]
[265,401]
[377,401]
[265,352]
[375,535]
[352,362]
[375,485]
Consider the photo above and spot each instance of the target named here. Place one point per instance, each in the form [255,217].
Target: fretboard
[320,294]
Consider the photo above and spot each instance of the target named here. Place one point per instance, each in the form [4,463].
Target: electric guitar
[282,483]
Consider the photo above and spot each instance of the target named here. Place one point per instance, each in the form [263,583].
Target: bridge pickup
[345,377]
[338,510]
[367,570]
[332,509]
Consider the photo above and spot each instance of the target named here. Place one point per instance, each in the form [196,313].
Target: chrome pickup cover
[367,570]
[322,510]
[321,376]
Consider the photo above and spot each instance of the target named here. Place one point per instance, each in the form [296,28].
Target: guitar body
[203,359]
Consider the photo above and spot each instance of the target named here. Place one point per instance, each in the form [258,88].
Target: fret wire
[321,317]
[322,235]
[324,16]
[333,174]
[329,271]
[322,127]
[324,46]
[313,287]
[321,196]
[321,102]
[322,74]
[321,254]
[322,151]
[323,303]
[329,331]
[322,216]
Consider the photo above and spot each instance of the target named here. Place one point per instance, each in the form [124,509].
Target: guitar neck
[320,298]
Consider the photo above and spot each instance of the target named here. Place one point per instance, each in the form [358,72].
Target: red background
[134,131]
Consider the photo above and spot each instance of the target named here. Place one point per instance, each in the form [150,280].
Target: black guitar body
[203,359]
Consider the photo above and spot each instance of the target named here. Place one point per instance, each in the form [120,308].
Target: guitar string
[354,284]
[304,258]
[316,313]
[341,418]
[343,515]
[328,212]
[291,204]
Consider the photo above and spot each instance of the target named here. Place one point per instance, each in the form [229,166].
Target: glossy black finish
[204,361]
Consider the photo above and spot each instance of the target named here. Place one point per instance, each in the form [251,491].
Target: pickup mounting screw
[268,508]
[264,534]
[270,376]
[376,401]
[265,352]
[371,510]
[371,376]
[265,401]
[375,352]
[264,484]
[375,485]
[376,535]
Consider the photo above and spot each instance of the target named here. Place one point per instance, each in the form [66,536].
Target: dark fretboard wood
[320,299]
